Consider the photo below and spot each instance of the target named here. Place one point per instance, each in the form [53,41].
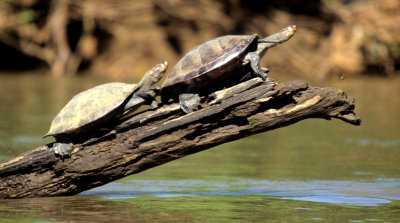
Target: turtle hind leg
[63,149]
[189,102]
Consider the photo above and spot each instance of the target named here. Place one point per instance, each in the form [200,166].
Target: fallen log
[154,137]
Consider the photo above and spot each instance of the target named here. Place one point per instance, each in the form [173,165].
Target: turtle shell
[92,106]
[206,64]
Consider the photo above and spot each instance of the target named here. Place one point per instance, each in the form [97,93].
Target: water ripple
[348,192]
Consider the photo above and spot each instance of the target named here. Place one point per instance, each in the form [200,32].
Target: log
[156,136]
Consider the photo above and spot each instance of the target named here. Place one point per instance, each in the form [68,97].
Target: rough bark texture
[157,136]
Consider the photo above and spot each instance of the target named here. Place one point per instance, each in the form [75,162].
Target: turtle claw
[154,104]
[263,73]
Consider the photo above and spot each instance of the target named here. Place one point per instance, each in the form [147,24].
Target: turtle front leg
[142,97]
[254,59]
[154,92]
[148,95]
[189,102]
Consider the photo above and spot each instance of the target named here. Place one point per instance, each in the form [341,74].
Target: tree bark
[154,137]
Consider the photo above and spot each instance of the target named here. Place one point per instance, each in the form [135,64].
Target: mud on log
[157,136]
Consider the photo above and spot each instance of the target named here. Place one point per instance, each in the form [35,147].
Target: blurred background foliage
[122,38]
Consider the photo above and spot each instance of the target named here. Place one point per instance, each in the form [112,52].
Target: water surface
[315,170]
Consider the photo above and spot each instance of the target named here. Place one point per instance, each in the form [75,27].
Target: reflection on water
[315,170]
[243,200]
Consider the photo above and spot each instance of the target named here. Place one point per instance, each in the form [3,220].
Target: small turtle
[98,105]
[217,62]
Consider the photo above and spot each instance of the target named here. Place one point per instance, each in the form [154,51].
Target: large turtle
[223,60]
[98,105]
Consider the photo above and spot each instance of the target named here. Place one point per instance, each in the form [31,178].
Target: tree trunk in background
[58,28]
[124,38]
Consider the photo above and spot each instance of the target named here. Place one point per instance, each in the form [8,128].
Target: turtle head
[286,33]
[158,71]
[280,37]
[270,41]
[153,75]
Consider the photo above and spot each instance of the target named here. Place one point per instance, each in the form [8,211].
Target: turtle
[101,104]
[217,63]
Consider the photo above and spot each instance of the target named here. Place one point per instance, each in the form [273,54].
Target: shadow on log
[157,136]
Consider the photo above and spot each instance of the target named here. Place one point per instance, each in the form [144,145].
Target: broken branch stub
[157,136]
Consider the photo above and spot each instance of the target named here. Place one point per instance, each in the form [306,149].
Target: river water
[313,171]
